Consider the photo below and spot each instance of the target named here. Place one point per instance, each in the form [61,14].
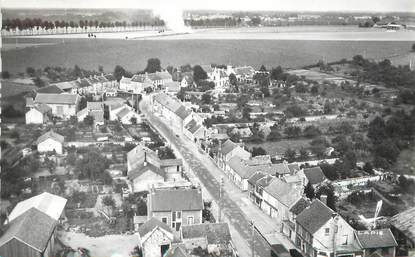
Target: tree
[39,82]
[329,171]
[256,151]
[92,165]
[166,153]
[153,65]
[292,131]
[413,47]
[119,72]
[199,73]
[327,190]
[101,69]
[5,74]
[232,79]
[108,201]
[50,164]
[206,98]
[309,191]
[289,155]
[133,120]
[368,168]
[294,111]
[311,131]
[89,120]
[377,130]
[303,154]
[30,71]
[314,90]
[274,135]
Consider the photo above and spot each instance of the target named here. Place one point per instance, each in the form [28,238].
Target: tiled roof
[181,199]
[182,112]
[139,153]
[255,177]
[377,238]
[314,175]
[405,222]
[215,233]
[299,206]
[98,115]
[281,168]
[172,104]
[33,228]
[110,77]
[244,71]
[228,146]
[150,225]
[172,86]
[50,134]
[56,98]
[241,168]
[139,78]
[48,203]
[95,106]
[171,162]
[67,85]
[52,89]
[164,75]
[192,126]
[293,167]
[141,169]
[315,216]
[283,192]
[259,160]
[43,108]
[265,181]
[123,112]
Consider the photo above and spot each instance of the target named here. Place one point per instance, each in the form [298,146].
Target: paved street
[237,208]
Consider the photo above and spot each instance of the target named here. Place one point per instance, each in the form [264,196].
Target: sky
[247,5]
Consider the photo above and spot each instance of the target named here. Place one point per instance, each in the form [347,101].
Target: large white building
[50,142]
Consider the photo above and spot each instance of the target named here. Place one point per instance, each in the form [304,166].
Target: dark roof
[33,228]
[315,216]
[182,112]
[283,192]
[255,177]
[56,98]
[50,134]
[151,224]
[179,199]
[141,169]
[378,238]
[299,206]
[192,126]
[228,146]
[314,175]
[215,233]
[293,167]
[110,77]
[405,222]
[52,89]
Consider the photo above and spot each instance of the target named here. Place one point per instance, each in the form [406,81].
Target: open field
[133,54]
[279,147]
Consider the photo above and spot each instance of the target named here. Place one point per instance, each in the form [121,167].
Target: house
[288,225]
[145,175]
[51,89]
[228,150]
[155,238]
[50,142]
[115,108]
[320,231]
[138,155]
[215,237]
[62,105]
[128,116]
[194,130]
[137,84]
[187,81]
[314,176]
[176,206]
[30,229]
[377,241]
[38,115]
[278,197]
[171,88]
[94,109]
[243,74]
[220,78]
[256,184]
[403,228]
[172,110]
[32,234]
[159,79]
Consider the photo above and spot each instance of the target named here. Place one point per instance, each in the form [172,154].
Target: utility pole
[220,199]
[253,238]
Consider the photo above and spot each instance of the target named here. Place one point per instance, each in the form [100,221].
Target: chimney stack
[145,158]
[323,198]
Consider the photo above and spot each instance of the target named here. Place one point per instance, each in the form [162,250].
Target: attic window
[327,231]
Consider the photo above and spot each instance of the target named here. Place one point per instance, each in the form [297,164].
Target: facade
[145,175]
[155,238]
[403,228]
[176,206]
[377,241]
[159,79]
[62,105]
[127,115]
[194,130]
[137,84]
[38,115]
[49,142]
[228,150]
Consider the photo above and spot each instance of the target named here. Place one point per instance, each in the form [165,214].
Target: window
[164,220]
[327,231]
[190,220]
[179,215]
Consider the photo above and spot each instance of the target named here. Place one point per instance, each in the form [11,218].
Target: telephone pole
[253,238]
[220,199]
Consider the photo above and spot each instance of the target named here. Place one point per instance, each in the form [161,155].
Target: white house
[155,238]
[187,81]
[49,142]
[137,84]
[38,115]
[62,105]
[228,150]
[126,114]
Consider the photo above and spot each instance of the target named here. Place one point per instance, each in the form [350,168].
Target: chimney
[145,158]
[323,198]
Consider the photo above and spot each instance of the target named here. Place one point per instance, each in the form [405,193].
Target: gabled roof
[43,108]
[265,181]
[29,102]
[241,167]
[215,233]
[139,78]
[299,206]
[82,112]
[123,112]
[228,146]
[281,168]
[150,225]
[110,77]
[314,175]
[180,199]
[164,75]
[67,85]
[171,162]
[255,177]
[52,89]
[293,167]
[182,112]
[95,106]
[176,251]
[32,227]
[405,222]
[51,205]
[56,98]
[244,71]
[144,167]
[141,152]
[98,115]
[283,192]
[172,86]
[50,134]
[377,238]
[315,216]
[193,127]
